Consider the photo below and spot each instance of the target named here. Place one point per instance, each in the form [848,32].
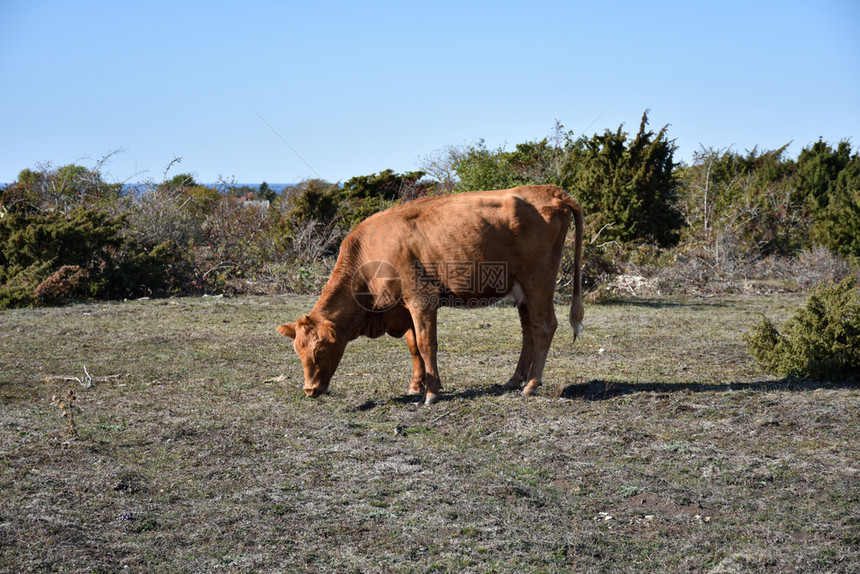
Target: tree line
[67,234]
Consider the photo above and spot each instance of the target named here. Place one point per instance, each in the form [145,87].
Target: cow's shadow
[600,390]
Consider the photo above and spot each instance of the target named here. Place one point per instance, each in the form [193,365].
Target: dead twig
[440,417]
[87,380]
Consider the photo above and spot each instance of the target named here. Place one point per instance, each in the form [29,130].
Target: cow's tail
[577,310]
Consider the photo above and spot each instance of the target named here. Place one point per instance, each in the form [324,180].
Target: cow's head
[318,346]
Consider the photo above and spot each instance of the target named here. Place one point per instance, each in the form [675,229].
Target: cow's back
[483,216]
[521,229]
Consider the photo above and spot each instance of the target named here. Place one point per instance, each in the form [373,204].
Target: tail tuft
[577,311]
[577,330]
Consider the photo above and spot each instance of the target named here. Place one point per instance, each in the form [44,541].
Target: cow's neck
[337,304]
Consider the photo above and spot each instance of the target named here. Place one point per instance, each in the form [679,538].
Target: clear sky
[358,87]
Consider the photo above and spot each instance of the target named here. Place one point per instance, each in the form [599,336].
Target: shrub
[360,197]
[66,283]
[315,200]
[627,186]
[479,168]
[739,208]
[160,213]
[53,258]
[17,284]
[49,257]
[821,340]
[828,182]
[82,237]
[139,272]
[59,189]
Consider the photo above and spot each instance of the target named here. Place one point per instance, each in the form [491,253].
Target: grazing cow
[397,267]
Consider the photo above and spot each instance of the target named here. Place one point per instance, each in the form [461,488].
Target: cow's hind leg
[544,324]
[424,321]
[416,387]
[527,351]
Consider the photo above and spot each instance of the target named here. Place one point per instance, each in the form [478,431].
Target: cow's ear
[288,330]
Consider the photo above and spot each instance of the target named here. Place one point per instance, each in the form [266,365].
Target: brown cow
[396,268]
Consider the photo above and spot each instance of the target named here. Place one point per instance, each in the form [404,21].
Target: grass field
[655,444]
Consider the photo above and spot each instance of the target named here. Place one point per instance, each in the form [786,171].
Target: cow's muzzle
[314,392]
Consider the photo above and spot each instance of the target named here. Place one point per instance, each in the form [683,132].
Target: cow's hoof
[430,399]
[530,388]
[513,383]
[413,392]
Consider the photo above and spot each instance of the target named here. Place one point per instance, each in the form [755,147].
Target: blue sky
[358,87]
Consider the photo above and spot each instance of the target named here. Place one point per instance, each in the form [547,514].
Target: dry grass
[196,451]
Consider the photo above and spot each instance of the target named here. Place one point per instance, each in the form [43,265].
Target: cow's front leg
[416,387]
[424,321]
